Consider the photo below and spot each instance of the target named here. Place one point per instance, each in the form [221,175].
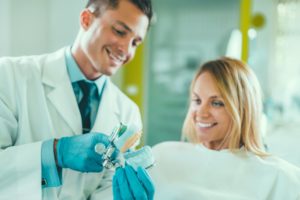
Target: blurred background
[264,33]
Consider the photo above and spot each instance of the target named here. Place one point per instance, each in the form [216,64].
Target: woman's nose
[203,111]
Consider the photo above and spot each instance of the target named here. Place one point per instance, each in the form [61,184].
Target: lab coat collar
[109,111]
[61,95]
[55,75]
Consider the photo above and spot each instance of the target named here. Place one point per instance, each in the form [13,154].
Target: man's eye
[119,32]
[217,103]
[136,43]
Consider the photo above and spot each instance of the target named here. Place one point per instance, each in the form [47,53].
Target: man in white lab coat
[45,108]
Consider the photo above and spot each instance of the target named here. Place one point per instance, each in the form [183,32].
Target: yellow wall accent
[245,20]
[133,76]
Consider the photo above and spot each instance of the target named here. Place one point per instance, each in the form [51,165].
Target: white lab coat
[188,171]
[37,103]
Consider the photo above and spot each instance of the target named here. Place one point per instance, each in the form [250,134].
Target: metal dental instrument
[122,139]
[109,150]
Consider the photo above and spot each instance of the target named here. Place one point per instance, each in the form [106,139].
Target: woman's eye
[217,103]
[196,101]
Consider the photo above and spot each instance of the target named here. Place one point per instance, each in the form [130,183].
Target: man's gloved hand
[132,185]
[78,152]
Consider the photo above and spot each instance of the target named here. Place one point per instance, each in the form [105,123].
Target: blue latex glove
[78,153]
[132,185]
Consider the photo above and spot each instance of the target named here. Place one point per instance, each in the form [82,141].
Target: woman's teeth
[205,125]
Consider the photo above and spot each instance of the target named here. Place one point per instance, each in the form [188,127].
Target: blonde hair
[241,92]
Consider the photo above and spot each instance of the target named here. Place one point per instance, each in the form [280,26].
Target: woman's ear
[86,18]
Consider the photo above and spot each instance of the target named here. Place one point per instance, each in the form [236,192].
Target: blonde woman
[224,157]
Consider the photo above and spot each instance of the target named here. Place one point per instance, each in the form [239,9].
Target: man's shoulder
[28,62]
[17,67]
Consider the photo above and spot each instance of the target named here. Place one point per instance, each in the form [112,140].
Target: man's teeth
[118,58]
[115,57]
[205,125]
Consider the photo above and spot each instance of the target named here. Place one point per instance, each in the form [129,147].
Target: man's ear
[86,18]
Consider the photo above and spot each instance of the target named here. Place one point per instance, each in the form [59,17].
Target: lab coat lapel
[108,112]
[61,94]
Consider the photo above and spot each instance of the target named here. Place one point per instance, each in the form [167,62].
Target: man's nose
[126,47]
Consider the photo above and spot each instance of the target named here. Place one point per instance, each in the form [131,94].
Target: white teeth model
[205,125]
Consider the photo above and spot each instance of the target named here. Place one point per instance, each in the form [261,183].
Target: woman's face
[211,120]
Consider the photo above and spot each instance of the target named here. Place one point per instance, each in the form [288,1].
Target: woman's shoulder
[170,151]
[170,158]
[285,170]
[282,165]
[172,145]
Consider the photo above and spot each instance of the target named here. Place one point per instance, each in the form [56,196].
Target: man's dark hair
[99,6]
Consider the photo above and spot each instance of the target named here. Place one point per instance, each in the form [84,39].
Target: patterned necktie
[89,91]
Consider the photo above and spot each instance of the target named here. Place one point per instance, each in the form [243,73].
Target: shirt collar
[75,73]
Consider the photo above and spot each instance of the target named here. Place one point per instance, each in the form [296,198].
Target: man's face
[111,39]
